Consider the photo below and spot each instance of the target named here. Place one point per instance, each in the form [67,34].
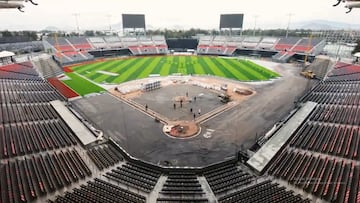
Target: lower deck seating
[48,68]
[17,76]
[227,177]
[136,176]
[100,191]
[352,77]
[182,187]
[25,68]
[263,192]
[104,156]
[27,91]
[229,50]
[329,139]
[327,178]
[344,69]
[24,138]
[24,180]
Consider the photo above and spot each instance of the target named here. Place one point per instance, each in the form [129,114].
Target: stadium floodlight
[288,25]
[109,19]
[77,21]
[255,17]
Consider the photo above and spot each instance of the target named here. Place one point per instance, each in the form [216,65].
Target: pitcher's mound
[181,129]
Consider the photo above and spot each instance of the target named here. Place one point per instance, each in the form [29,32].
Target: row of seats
[333,98]
[326,178]
[286,44]
[148,50]
[337,87]
[236,41]
[337,114]
[17,76]
[250,42]
[181,199]
[100,191]
[48,68]
[352,77]
[283,56]
[72,44]
[182,187]
[330,139]
[14,113]
[104,156]
[30,97]
[227,177]
[21,47]
[29,178]
[294,44]
[24,85]
[215,50]
[263,192]
[79,43]
[134,175]
[27,138]
[20,91]
[346,69]
[25,68]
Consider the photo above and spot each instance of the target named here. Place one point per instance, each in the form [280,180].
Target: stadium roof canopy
[5,54]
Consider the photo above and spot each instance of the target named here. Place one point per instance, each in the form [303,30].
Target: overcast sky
[185,14]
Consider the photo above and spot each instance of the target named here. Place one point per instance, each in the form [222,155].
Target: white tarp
[5,54]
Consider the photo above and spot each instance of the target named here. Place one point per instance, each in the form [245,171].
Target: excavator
[224,98]
[308,74]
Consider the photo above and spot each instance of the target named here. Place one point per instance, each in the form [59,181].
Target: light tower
[288,26]
[255,17]
[77,22]
[109,19]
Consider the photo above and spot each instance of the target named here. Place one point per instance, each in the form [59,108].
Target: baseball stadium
[141,117]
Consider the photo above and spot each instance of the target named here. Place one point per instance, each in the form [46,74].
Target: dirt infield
[188,124]
[212,83]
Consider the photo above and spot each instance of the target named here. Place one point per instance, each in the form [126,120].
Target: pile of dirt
[245,92]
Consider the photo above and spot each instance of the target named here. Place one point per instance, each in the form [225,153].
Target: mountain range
[324,25]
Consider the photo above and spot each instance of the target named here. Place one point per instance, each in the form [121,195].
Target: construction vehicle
[224,98]
[308,74]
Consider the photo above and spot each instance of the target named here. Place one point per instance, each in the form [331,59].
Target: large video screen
[231,20]
[133,21]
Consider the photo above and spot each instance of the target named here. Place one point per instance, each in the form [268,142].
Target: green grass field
[81,85]
[118,71]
